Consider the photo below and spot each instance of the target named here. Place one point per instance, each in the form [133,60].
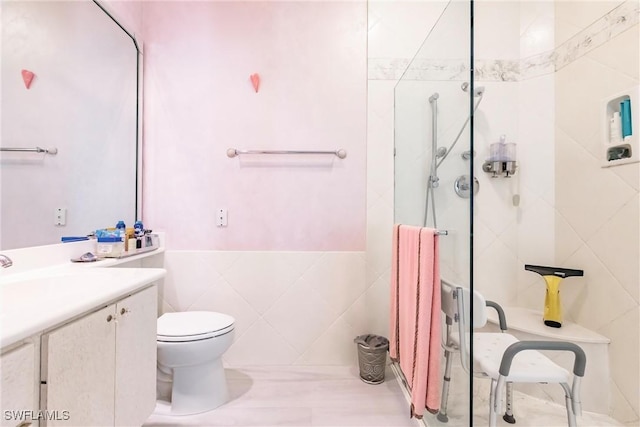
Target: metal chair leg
[442,414]
[508,414]
[568,401]
[492,404]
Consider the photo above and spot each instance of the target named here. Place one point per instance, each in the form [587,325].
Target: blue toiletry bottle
[122,228]
[138,228]
[625,112]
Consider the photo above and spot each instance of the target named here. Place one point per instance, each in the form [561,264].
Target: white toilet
[190,371]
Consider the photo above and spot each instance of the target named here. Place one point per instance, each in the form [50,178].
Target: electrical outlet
[60,216]
[221,217]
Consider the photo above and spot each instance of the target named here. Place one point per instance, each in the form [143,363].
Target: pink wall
[128,13]
[199,102]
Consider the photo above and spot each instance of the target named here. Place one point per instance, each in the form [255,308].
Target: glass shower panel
[432,136]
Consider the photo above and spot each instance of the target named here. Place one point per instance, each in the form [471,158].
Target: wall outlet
[60,216]
[221,217]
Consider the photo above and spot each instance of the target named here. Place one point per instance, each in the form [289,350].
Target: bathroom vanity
[79,343]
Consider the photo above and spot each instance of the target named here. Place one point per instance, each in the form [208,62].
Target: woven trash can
[372,357]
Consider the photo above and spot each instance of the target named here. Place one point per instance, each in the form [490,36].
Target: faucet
[5,261]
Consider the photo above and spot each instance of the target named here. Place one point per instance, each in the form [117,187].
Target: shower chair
[502,357]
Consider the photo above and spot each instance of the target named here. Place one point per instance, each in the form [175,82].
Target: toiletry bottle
[625,113]
[122,229]
[138,228]
[615,131]
[139,232]
[131,243]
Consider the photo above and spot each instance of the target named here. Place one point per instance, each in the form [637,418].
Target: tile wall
[597,209]
[290,307]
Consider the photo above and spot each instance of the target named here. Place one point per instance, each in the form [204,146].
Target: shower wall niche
[620,128]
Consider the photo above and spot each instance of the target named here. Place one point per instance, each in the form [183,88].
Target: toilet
[190,372]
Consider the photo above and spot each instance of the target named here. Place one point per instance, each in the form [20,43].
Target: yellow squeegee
[553,276]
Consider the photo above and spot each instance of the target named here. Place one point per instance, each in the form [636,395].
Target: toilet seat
[193,326]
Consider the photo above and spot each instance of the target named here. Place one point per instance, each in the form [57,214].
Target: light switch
[60,216]
[221,217]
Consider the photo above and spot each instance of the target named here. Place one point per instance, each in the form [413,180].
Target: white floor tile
[331,396]
[334,396]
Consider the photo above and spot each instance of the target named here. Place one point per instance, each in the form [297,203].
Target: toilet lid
[193,325]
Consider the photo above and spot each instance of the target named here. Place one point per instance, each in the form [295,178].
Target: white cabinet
[136,351]
[101,368]
[18,397]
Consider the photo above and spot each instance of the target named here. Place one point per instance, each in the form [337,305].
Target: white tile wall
[290,307]
[597,208]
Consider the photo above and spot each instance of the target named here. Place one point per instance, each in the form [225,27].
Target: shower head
[434,97]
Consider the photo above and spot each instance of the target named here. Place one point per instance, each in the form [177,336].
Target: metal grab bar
[52,151]
[232,152]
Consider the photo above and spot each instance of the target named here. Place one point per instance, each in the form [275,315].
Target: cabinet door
[78,370]
[136,350]
[18,385]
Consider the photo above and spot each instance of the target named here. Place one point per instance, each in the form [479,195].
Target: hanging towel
[415,314]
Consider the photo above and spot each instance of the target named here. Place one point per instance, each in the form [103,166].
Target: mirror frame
[138,192]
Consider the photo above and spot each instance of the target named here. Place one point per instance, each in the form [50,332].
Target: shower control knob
[462,186]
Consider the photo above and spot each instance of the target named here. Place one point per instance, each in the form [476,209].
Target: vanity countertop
[34,301]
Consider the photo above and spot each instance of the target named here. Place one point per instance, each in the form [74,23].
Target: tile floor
[334,396]
[529,411]
[302,396]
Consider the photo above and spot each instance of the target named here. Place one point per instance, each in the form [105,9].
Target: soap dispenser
[502,159]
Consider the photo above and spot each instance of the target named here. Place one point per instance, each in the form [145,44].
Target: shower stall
[535,79]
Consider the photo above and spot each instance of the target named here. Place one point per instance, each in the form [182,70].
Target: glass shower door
[433,144]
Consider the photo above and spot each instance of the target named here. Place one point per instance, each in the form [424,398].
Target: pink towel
[415,314]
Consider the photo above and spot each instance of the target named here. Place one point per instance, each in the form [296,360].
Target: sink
[41,299]
[16,293]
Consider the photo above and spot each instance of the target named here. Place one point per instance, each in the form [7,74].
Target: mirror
[82,101]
